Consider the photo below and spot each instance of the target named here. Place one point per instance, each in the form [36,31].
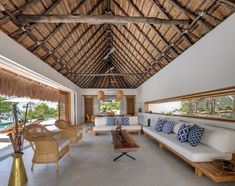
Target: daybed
[216,144]
[102,124]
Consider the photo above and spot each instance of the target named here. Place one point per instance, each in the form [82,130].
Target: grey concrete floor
[90,164]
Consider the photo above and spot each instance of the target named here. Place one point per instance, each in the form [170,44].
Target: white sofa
[216,143]
[101,125]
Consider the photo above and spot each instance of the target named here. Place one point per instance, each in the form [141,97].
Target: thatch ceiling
[110,55]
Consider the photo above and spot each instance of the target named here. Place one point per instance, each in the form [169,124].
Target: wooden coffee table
[132,146]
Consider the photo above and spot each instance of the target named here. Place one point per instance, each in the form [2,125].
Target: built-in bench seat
[201,153]
[216,144]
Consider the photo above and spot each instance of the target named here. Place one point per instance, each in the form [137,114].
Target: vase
[18,175]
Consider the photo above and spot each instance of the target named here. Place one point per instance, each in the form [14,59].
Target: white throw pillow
[100,121]
[219,138]
[177,127]
[133,120]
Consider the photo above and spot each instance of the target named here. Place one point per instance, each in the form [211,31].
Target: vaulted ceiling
[104,43]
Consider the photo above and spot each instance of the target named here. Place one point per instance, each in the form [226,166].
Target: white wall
[17,56]
[209,64]
[94,91]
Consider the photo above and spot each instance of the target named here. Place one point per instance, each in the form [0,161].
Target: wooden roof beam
[65,40]
[32,26]
[96,67]
[230,3]
[125,55]
[130,43]
[190,14]
[117,63]
[140,30]
[109,74]
[153,28]
[162,9]
[122,62]
[93,44]
[98,19]
[90,57]
[59,26]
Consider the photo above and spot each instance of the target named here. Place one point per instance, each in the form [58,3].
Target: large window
[110,105]
[215,105]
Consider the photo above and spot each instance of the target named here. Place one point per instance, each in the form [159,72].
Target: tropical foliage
[109,106]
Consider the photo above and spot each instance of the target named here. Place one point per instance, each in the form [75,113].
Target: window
[214,105]
[110,105]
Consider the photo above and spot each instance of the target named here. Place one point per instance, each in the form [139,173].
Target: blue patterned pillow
[111,121]
[160,124]
[125,121]
[183,132]
[195,135]
[168,127]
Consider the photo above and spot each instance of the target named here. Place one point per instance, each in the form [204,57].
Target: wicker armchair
[73,132]
[48,146]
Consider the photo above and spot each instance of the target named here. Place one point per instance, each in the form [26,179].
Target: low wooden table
[132,146]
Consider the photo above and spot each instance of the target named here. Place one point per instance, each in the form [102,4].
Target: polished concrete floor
[90,164]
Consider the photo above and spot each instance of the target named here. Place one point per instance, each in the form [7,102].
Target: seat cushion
[195,135]
[183,132]
[201,153]
[109,128]
[62,142]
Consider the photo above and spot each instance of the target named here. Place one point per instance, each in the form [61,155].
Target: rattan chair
[73,132]
[48,146]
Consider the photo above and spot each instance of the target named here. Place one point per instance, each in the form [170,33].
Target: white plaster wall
[22,58]
[94,91]
[209,64]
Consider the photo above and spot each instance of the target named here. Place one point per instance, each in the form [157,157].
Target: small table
[132,146]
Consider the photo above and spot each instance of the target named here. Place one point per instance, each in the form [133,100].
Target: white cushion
[219,138]
[62,142]
[104,128]
[201,153]
[100,121]
[177,127]
[133,120]
[109,128]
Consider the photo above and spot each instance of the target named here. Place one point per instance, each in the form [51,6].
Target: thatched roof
[15,85]
[101,50]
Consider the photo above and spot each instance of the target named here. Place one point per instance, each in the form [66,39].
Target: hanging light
[119,95]
[100,95]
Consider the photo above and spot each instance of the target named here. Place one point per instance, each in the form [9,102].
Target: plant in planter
[18,174]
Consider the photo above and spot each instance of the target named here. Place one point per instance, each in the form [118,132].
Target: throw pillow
[111,121]
[183,132]
[168,126]
[160,124]
[125,121]
[195,135]
[177,127]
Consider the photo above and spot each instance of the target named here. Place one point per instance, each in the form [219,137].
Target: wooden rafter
[98,19]
[77,50]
